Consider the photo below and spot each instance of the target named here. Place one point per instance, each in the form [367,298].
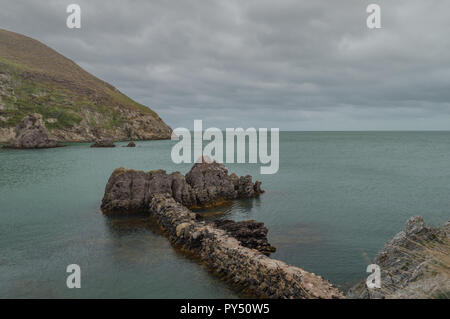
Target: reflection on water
[236,209]
[136,239]
[295,235]
[120,225]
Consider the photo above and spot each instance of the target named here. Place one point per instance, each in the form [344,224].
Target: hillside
[75,105]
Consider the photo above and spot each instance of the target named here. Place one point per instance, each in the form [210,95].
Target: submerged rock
[105,142]
[206,184]
[414,264]
[32,133]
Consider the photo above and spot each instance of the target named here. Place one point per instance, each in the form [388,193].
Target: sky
[288,64]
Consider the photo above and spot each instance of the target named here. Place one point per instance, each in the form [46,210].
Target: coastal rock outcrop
[131,144]
[105,142]
[31,133]
[206,184]
[414,264]
[227,256]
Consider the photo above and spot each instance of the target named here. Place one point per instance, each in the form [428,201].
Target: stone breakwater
[236,251]
[249,233]
[246,268]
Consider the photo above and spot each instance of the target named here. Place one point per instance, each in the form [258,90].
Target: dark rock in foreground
[105,142]
[414,264]
[250,233]
[206,184]
[31,133]
[131,144]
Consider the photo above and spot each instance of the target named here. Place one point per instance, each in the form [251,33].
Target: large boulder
[31,133]
[105,142]
[205,185]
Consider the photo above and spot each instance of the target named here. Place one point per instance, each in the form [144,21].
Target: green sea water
[336,199]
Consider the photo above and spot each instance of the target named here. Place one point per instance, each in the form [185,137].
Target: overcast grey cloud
[292,64]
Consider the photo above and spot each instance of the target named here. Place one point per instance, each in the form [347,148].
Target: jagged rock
[105,142]
[32,133]
[210,182]
[250,233]
[206,184]
[410,264]
[414,225]
[131,144]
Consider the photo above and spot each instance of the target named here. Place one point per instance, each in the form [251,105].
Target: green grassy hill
[76,105]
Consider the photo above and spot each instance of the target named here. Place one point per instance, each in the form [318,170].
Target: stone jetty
[235,251]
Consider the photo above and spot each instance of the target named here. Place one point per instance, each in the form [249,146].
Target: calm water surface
[334,202]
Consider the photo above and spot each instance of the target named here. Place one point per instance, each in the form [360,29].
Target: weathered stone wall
[247,268]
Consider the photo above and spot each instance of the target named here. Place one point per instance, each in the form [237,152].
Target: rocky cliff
[75,105]
[414,264]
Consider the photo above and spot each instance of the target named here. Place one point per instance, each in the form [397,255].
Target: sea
[335,200]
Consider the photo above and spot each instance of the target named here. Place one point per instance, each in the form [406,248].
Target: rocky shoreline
[414,264]
[31,133]
[235,251]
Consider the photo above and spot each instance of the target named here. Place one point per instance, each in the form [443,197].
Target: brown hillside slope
[76,105]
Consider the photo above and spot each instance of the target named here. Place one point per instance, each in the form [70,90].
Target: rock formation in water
[105,142]
[414,264]
[131,144]
[234,250]
[31,133]
[206,184]
[249,233]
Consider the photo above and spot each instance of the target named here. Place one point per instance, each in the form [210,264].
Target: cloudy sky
[292,64]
